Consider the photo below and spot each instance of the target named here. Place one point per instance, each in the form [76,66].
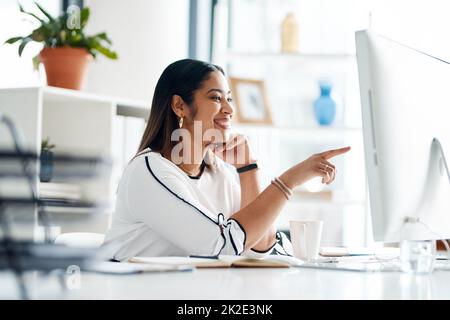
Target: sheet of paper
[131,268]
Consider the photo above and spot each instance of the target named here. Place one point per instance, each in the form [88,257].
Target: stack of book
[59,191]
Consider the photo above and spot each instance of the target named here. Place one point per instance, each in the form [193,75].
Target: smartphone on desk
[360,267]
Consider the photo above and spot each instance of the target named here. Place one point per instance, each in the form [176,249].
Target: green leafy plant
[46,145]
[65,31]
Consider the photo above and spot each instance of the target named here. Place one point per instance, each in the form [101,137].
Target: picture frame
[251,101]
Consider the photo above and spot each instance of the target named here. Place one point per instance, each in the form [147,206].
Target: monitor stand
[436,190]
[443,168]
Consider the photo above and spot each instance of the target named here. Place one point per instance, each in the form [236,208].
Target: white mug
[305,238]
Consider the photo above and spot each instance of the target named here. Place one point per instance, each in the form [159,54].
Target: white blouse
[161,211]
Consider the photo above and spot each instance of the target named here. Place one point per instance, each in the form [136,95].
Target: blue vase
[46,168]
[324,106]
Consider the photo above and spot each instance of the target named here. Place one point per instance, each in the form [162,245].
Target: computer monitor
[405,100]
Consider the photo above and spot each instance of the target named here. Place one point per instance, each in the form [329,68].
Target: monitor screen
[405,100]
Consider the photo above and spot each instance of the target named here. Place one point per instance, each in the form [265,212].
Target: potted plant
[67,50]
[46,160]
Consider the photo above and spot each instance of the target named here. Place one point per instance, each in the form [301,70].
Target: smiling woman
[192,188]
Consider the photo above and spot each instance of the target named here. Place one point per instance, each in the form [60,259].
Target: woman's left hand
[235,151]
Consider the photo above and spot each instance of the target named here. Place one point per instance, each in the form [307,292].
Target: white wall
[328,26]
[422,24]
[15,71]
[148,35]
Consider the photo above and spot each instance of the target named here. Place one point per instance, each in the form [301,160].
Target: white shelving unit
[291,80]
[296,56]
[280,147]
[77,123]
[305,129]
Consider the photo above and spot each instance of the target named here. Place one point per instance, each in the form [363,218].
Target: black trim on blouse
[199,175]
[168,189]
[220,226]
[243,230]
[232,243]
[265,251]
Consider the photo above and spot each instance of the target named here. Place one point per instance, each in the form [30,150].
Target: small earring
[180,122]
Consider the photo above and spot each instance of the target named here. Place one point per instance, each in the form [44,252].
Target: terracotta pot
[65,67]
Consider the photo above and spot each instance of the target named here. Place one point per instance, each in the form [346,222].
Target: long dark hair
[182,78]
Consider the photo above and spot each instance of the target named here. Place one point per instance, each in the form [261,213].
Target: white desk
[292,283]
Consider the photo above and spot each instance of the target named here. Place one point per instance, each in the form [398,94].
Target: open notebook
[223,261]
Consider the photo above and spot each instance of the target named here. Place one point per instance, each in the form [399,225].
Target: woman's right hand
[315,166]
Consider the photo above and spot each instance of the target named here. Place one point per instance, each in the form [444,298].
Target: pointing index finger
[335,152]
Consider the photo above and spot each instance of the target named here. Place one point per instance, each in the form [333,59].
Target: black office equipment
[21,255]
